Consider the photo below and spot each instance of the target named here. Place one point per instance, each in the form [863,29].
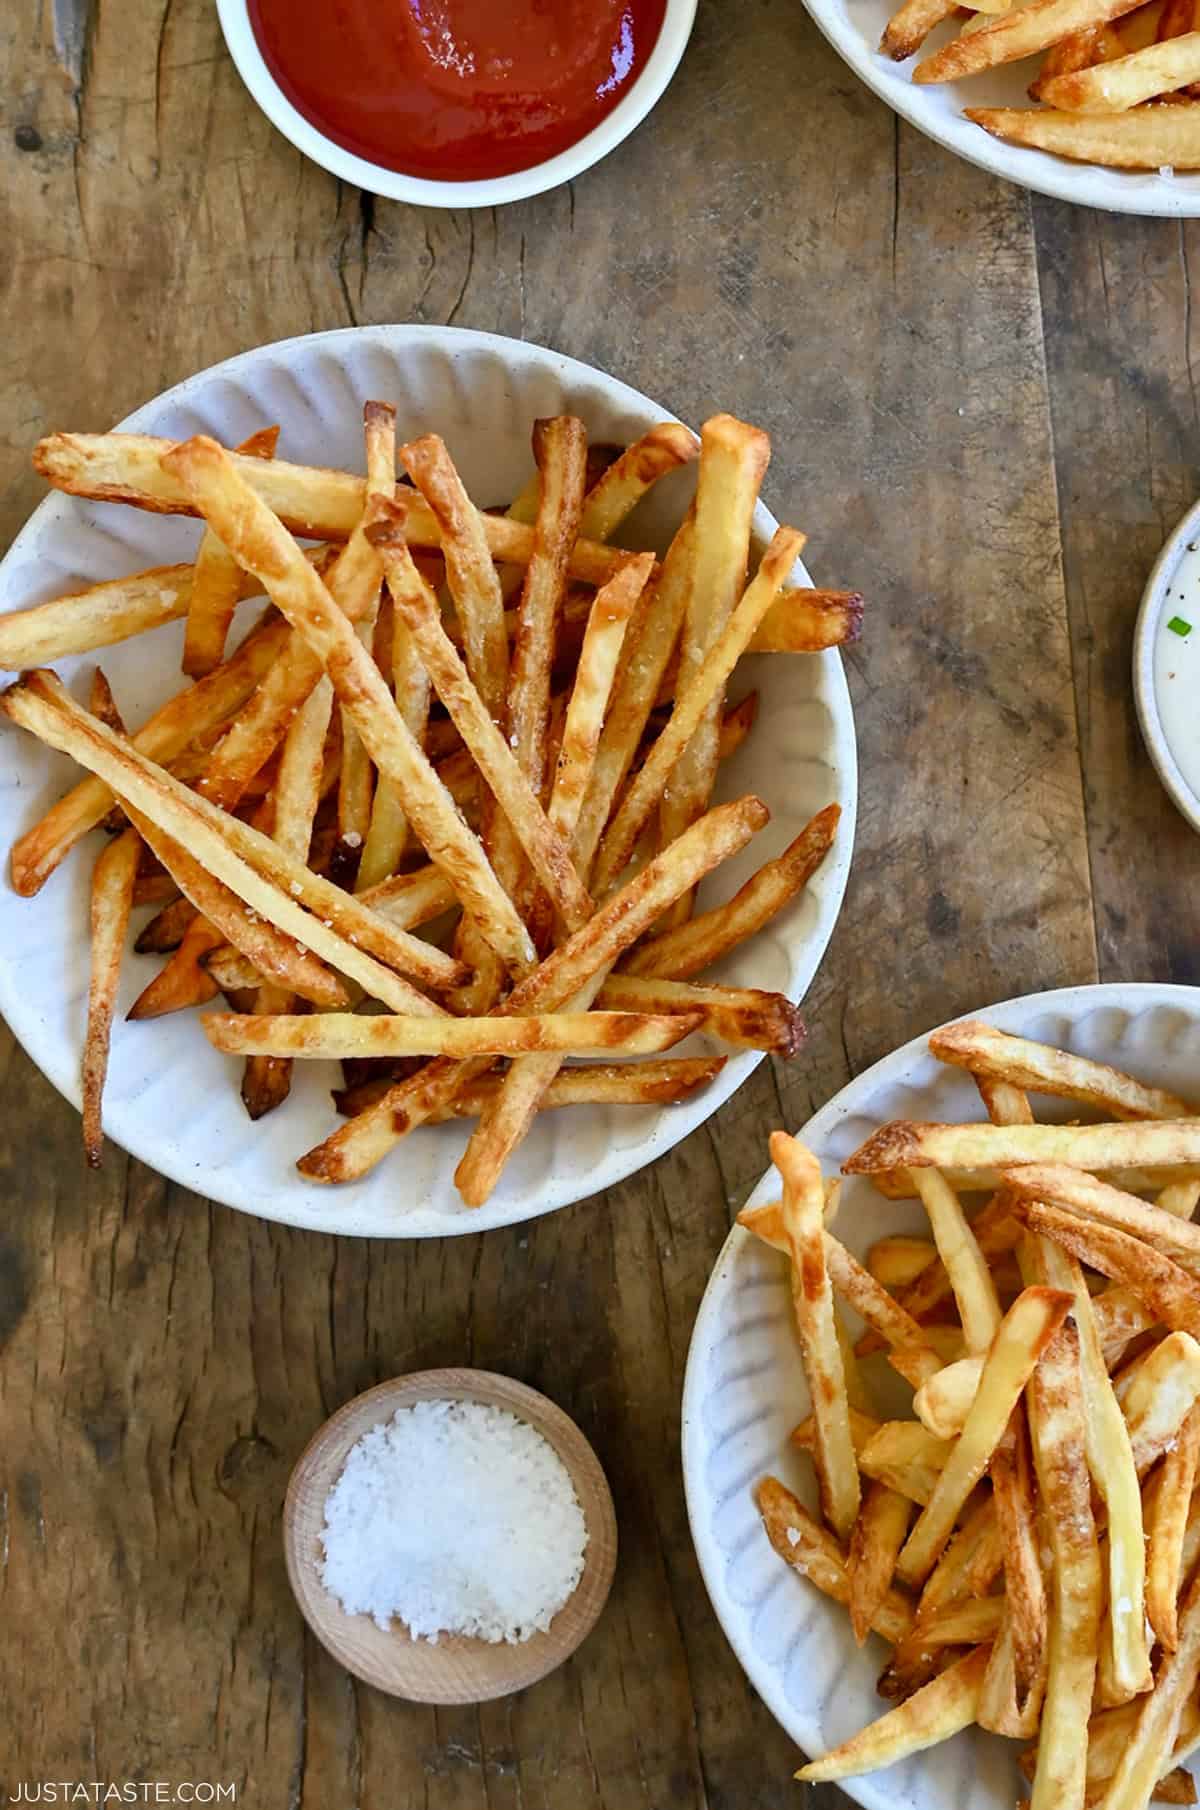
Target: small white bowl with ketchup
[456,103]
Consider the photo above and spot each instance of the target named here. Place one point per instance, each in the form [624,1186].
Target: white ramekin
[1144,638]
[629,112]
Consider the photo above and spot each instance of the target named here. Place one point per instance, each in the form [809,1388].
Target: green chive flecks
[1178,626]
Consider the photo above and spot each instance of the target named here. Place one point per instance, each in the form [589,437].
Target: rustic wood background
[984,411]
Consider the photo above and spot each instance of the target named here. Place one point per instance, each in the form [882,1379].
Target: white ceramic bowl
[744,1391]
[1145,640]
[854,28]
[171,1099]
[421,191]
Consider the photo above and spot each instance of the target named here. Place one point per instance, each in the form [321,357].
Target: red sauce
[456,90]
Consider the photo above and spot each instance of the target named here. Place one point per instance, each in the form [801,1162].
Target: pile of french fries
[1118,79]
[500,729]
[1029,1544]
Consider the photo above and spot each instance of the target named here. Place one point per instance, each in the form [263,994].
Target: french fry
[970,1278]
[874,1545]
[1024,1332]
[896,1184]
[944,1400]
[1056,1423]
[733,460]
[814,1552]
[1169,1293]
[1000,1709]
[111,900]
[702,684]
[907,1457]
[1151,138]
[898,1260]
[600,1084]
[1145,1753]
[333,1035]
[356,778]
[1019,33]
[1169,1495]
[262,546]
[165,931]
[315,503]
[1096,1147]
[358,1145]
[812,1304]
[943,1707]
[741,1016]
[1109,88]
[911,24]
[617,492]
[923,1655]
[183,981]
[1159,1397]
[1090,1198]
[691,947]
[972,1559]
[803,621]
[217,583]
[1043,1069]
[1025,1590]
[1096,44]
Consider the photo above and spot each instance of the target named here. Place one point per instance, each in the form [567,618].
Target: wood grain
[923,343]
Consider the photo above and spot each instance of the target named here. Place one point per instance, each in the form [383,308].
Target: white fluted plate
[745,1391]
[171,1099]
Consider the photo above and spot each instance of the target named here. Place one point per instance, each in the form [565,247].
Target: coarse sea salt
[456,1518]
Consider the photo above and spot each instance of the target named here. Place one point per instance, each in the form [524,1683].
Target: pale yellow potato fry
[163,737]
[217,583]
[651,1083]
[1159,1397]
[911,1354]
[617,492]
[1179,1198]
[113,880]
[970,1278]
[1019,33]
[1146,1752]
[234,853]
[901,1144]
[1043,1069]
[1168,1292]
[412,899]
[1024,1332]
[691,947]
[1147,138]
[1056,1427]
[875,1544]
[863,1426]
[947,1704]
[315,503]
[820,1353]
[897,1261]
[943,1402]
[906,1456]
[1119,1317]
[733,461]
[357,1146]
[262,546]
[814,1552]
[332,1035]
[1025,1589]
[1168,1498]
[742,1016]
[702,682]
[896,1184]
[1097,1200]
[1109,88]
[911,24]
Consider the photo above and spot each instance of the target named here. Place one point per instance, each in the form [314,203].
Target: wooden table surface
[984,410]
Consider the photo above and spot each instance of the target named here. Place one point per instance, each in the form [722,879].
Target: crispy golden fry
[812,1304]
[978,1621]
[863,1426]
[262,546]
[1146,1752]
[332,1035]
[1056,1425]
[943,1707]
[96,617]
[1026,1329]
[1118,1316]
[691,947]
[1169,1495]
[812,1551]
[908,28]
[1147,138]
[970,1278]
[357,1146]
[594,675]
[1000,1711]
[599,1083]
[897,1261]
[1159,1396]
[943,1402]
[896,1184]
[1094,1147]
[166,930]
[111,901]
[733,460]
[971,1561]
[217,583]
[162,738]
[906,1456]
[1016,34]
[742,1016]
[1090,1198]
[1096,44]
[321,505]
[1109,88]
[1168,1292]
[803,621]
[617,492]
[702,683]
[1025,1590]
[874,1546]
[183,981]
[1039,1067]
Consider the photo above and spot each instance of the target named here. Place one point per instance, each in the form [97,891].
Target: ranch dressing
[1177,666]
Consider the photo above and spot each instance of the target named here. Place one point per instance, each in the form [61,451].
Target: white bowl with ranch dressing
[1166,666]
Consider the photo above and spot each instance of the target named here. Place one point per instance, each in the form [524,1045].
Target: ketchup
[456,90]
